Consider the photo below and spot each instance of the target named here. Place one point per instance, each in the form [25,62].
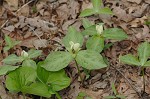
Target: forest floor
[41,24]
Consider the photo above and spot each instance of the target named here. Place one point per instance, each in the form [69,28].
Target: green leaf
[39,89]
[113,88]
[12,59]
[114,33]
[87,12]
[95,43]
[8,41]
[29,63]
[147,22]
[108,45]
[143,52]
[86,23]
[130,59]
[121,96]
[57,80]
[110,97]
[90,31]
[90,60]
[105,11]
[74,36]
[16,42]
[20,78]
[5,69]
[96,4]
[6,48]
[34,53]
[147,64]
[57,61]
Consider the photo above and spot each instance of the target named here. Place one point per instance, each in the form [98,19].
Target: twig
[37,36]
[129,82]
[15,13]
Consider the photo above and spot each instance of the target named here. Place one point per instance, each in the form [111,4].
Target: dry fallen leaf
[40,43]
[136,1]
[24,11]
[13,4]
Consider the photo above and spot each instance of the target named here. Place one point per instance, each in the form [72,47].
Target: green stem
[40,97]
[79,73]
[24,96]
[143,79]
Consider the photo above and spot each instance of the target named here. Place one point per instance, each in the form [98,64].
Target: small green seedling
[147,22]
[31,78]
[10,43]
[96,9]
[73,41]
[83,95]
[98,35]
[140,60]
[116,94]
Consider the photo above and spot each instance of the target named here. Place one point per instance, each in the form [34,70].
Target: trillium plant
[141,60]
[96,9]
[30,78]
[73,42]
[97,35]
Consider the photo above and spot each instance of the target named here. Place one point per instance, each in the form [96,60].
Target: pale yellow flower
[99,29]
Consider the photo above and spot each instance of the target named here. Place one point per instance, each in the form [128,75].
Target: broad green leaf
[34,53]
[96,5]
[90,31]
[57,61]
[86,23]
[113,88]
[39,89]
[12,59]
[121,96]
[109,97]
[147,64]
[114,33]
[95,43]
[57,80]
[87,12]
[74,36]
[29,63]
[5,69]
[130,59]
[105,11]
[144,52]
[90,60]
[20,78]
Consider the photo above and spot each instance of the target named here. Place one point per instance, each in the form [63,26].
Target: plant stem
[79,73]
[24,96]
[143,79]
[40,97]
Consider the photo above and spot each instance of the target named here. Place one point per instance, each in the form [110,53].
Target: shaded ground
[42,24]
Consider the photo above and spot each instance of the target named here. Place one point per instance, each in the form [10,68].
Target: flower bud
[76,46]
[99,29]
[24,54]
[72,44]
